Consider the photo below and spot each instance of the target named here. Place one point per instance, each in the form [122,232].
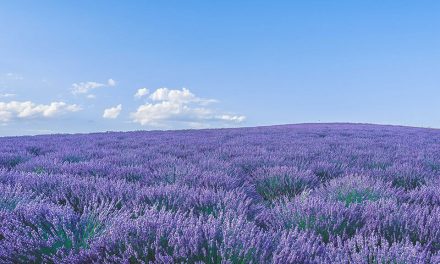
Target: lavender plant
[327,193]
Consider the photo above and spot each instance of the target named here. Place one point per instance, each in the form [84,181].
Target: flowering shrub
[327,193]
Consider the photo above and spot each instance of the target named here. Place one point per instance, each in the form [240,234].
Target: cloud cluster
[85,88]
[113,112]
[163,107]
[28,109]
[168,107]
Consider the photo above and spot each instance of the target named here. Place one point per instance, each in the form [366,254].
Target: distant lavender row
[329,193]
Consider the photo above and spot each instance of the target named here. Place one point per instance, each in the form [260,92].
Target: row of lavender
[282,194]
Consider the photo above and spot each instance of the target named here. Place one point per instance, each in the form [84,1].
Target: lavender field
[327,193]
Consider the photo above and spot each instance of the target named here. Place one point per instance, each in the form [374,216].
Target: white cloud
[113,112]
[182,107]
[5,116]
[235,118]
[111,82]
[86,87]
[164,94]
[91,96]
[13,76]
[7,95]
[179,96]
[28,109]
[141,92]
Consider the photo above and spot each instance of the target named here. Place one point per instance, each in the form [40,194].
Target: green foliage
[8,203]
[10,162]
[39,170]
[273,187]
[408,182]
[357,196]
[35,151]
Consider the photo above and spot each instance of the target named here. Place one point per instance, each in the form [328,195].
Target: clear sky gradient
[242,63]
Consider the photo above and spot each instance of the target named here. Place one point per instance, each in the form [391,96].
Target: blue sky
[216,64]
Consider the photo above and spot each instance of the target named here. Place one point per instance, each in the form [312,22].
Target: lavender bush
[328,193]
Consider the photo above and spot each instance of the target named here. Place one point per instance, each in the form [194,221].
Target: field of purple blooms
[317,193]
